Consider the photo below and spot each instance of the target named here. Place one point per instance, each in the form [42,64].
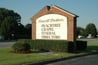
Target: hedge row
[51,45]
[81,45]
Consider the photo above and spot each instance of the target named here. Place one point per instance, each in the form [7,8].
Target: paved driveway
[6,44]
[86,60]
[90,40]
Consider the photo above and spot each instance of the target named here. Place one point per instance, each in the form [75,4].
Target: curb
[56,60]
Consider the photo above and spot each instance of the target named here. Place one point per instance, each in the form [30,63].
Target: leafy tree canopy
[80,31]
[9,21]
[91,29]
[28,30]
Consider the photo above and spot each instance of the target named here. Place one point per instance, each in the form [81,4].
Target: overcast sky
[87,10]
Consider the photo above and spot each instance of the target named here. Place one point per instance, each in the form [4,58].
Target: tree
[97,31]
[9,21]
[21,31]
[28,30]
[80,31]
[91,29]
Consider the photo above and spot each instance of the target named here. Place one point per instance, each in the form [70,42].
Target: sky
[87,10]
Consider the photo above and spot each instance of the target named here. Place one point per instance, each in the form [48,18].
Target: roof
[61,9]
[70,13]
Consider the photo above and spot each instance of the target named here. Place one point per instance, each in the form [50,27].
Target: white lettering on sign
[52,27]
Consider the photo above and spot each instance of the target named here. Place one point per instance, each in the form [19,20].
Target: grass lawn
[8,58]
[93,46]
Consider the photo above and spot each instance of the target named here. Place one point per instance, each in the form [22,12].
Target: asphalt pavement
[86,60]
[6,44]
[90,40]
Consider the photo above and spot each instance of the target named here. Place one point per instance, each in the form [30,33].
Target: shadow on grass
[39,51]
[92,48]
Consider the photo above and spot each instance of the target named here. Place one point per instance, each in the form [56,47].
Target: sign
[51,27]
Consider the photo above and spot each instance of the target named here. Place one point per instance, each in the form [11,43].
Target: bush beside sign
[49,45]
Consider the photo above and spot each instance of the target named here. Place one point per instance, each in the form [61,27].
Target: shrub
[21,46]
[50,45]
[77,46]
[71,46]
[81,45]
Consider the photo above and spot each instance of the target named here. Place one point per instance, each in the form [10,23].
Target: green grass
[92,46]
[8,58]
